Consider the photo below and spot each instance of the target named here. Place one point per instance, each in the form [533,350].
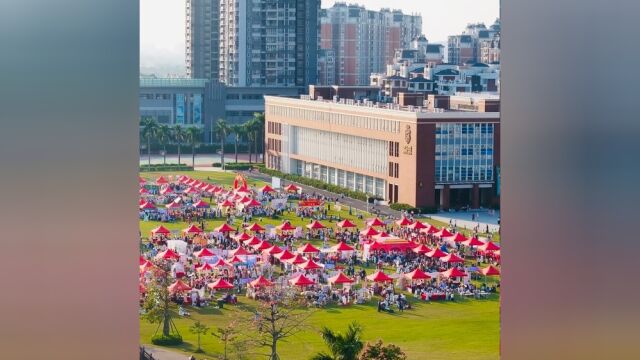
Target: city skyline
[162,40]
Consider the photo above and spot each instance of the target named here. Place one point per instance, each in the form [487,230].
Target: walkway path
[165,354]
[357,204]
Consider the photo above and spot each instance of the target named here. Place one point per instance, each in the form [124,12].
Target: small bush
[167,167]
[166,340]
[416,210]
[234,166]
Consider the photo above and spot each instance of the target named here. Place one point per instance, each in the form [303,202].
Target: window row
[356,121]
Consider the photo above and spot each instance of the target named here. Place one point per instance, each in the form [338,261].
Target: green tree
[378,351]
[258,127]
[222,130]
[198,328]
[194,137]
[239,132]
[164,136]
[227,335]
[179,135]
[157,303]
[149,131]
[249,132]
[341,346]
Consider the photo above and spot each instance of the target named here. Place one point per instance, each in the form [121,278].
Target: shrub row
[416,210]
[166,340]
[167,167]
[234,166]
[185,149]
[318,184]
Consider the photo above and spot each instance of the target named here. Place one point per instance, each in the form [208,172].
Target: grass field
[466,329]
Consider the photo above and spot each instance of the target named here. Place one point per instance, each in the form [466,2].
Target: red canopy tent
[443,233]
[227,203]
[142,288]
[453,273]
[235,260]
[161,180]
[296,260]
[141,201]
[301,280]
[489,246]
[166,190]
[452,258]
[245,199]
[142,260]
[253,241]
[252,203]
[147,265]
[458,237]
[192,229]
[376,222]
[242,237]
[417,225]
[167,255]
[346,224]
[285,255]
[239,251]
[308,248]
[309,203]
[286,226]
[222,263]
[203,253]
[220,284]
[266,189]
[403,221]
[143,191]
[178,286]
[263,246]
[261,282]
[141,180]
[430,230]
[369,232]
[436,253]
[421,249]
[160,230]
[490,271]
[173,205]
[340,278]
[190,190]
[341,246]
[225,228]
[474,241]
[147,206]
[201,205]
[417,274]
[255,227]
[310,265]
[379,276]
[205,267]
[275,249]
[191,182]
[315,225]
[291,188]
[375,245]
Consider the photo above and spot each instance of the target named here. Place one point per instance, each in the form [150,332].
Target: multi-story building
[202,39]
[466,48]
[326,67]
[269,42]
[421,156]
[201,102]
[364,41]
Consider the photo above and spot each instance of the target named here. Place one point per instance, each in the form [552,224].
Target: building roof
[420,79]
[480,65]
[419,69]
[447,72]
[172,82]
[396,77]
[434,48]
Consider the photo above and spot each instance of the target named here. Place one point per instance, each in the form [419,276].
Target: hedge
[166,340]
[318,184]
[416,210]
[167,167]
[234,166]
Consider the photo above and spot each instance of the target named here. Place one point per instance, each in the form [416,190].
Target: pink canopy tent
[201,205]
[160,230]
[225,228]
[346,224]
[161,180]
[452,258]
[243,237]
[308,248]
[266,189]
[489,246]
[404,222]
[192,229]
[301,280]
[275,249]
[421,249]
[340,278]
[315,225]
[298,259]
[203,253]
[286,226]
[147,206]
[453,273]
[379,276]
[436,253]
[490,271]
[443,233]
[240,251]
[458,237]
[376,222]
[220,284]
[285,255]
[341,247]
[167,255]
[417,274]
[291,188]
[255,227]
[417,225]
[474,241]
[369,232]
[261,282]
[310,265]
[178,286]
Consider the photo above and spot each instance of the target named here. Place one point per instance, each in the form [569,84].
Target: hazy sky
[162,25]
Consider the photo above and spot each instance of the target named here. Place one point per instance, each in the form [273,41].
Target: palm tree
[239,132]
[249,132]
[179,136]
[149,130]
[258,126]
[164,135]
[194,135]
[342,347]
[222,129]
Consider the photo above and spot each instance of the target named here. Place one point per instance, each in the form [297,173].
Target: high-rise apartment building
[268,42]
[202,39]
[476,44]
[363,41]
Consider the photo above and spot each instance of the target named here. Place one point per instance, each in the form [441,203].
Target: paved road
[357,204]
[165,354]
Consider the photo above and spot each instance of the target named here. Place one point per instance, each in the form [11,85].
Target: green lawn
[466,329]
